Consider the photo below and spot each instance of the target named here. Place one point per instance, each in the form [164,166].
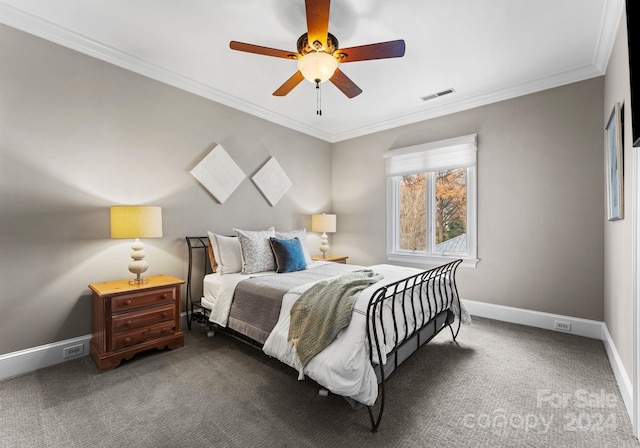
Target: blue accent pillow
[289,254]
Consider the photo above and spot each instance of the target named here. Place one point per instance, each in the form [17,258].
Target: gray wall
[618,292]
[540,198]
[78,135]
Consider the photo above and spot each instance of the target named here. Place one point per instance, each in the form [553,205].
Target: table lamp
[136,221]
[323,223]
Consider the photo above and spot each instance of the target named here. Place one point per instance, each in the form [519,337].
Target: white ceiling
[487,50]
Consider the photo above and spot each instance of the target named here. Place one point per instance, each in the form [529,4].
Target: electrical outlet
[562,326]
[72,351]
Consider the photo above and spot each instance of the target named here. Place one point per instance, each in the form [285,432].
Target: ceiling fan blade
[266,51]
[289,84]
[346,86]
[317,20]
[382,50]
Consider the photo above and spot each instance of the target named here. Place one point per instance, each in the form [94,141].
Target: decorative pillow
[212,257]
[289,254]
[227,254]
[301,234]
[257,255]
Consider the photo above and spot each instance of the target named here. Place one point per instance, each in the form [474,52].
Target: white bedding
[343,367]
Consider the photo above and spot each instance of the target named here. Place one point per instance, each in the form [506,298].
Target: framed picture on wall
[614,165]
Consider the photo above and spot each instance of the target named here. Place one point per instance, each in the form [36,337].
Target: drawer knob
[164,314]
[127,302]
[164,296]
[127,340]
[127,323]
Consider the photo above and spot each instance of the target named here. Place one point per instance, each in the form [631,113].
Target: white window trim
[470,260]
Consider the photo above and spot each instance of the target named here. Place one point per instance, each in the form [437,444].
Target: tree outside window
[449,216]
[451,206]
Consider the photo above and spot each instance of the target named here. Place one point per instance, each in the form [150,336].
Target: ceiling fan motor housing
[304,47]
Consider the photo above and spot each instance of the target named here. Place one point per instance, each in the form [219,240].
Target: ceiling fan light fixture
[317,65]
[318,55]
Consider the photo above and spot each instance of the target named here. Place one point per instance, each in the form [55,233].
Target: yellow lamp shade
[323,223]
[136,221]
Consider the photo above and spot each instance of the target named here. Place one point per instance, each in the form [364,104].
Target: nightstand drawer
[141,299]
[143,318]
[122,340]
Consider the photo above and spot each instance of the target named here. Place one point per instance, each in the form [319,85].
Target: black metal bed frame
[428,286]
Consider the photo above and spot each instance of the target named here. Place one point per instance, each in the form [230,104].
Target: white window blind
[459,152]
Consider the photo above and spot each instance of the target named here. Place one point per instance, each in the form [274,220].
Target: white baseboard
[28,360]
[35,358]
[580,327]
[624,383]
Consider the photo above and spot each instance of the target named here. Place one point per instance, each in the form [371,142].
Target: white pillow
[227,252]
[257,255]
[301,234]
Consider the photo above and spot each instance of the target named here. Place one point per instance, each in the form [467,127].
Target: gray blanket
[324,309]
[257,301]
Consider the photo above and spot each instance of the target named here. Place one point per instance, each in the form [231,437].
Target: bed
[391,318]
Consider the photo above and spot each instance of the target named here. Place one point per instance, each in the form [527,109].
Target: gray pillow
[257,255]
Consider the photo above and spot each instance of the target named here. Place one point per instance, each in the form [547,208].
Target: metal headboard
[198,258]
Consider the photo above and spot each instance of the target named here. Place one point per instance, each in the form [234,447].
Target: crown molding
[65,37]
[613,13]
[470,102]
[54,33]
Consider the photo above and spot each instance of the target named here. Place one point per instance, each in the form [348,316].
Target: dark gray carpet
[502,385]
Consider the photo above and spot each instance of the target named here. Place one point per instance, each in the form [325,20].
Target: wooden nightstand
[129,319]
[335,258]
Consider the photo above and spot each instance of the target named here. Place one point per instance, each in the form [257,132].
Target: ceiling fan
[318,54]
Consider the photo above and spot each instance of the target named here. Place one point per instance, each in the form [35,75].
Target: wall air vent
[436,95]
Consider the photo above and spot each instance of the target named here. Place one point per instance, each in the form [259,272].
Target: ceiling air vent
[436,95]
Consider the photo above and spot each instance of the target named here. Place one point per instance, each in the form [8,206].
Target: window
[431,202]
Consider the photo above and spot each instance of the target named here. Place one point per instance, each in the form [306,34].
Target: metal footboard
[404,315]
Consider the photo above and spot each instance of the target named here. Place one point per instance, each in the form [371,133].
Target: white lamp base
[138,265]
[324,244]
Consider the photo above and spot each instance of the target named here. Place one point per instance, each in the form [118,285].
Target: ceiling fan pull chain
[318,99]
